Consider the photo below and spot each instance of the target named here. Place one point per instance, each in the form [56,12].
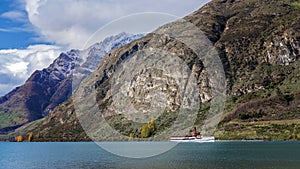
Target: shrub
[296,4]
[244,116]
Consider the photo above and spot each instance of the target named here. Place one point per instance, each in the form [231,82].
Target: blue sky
[10,38]
[15,29]
[34,32]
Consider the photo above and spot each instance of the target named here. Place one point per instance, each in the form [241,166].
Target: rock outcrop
[258,44]
[45,89]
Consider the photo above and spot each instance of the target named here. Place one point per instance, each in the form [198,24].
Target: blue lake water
[231,155]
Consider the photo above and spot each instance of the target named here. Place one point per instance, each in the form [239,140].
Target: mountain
[47,88]
[258,43]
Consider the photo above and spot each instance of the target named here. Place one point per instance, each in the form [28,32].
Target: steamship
[196,137]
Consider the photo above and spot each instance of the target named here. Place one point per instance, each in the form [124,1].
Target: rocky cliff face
[258,44]
[45,89]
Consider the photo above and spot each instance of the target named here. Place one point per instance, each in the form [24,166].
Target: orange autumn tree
[19,138]
[30,137]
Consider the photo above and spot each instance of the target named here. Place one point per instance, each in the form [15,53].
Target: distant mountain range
[47,88]
[258,43]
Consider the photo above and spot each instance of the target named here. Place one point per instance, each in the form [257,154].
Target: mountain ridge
[259,45]
[47,88]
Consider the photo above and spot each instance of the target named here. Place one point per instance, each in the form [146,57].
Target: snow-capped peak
[88,59]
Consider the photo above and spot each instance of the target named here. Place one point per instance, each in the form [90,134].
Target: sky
[34,32]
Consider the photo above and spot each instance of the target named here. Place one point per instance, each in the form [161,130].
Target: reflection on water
[233,155]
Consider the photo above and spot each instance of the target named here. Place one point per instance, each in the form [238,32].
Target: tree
[145,131]
[131,136]
[148,129]
[151,125]
[19,138]
[284,97]
[30,137]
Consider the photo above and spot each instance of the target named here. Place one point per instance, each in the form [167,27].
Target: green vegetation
[277,130]
[246,116]
[270,113]
[296,4]
[202,114]
[10,119]
[148,129]
[254,38]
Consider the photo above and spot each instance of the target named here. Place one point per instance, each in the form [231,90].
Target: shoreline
[216,141]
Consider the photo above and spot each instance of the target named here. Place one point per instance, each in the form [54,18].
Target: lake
[232,155]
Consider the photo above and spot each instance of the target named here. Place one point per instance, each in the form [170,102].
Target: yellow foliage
[145,131]
[148,129]
[131,136]
[19,138]
[30,137]
[151,125]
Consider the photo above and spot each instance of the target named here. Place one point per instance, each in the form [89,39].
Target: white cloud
[17,68]
[6,30]
[71,22]
[15,15]
[18,64]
